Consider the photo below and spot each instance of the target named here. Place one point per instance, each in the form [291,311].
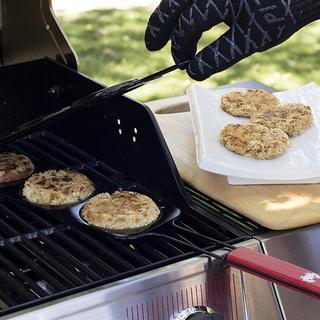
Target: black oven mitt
[255,25]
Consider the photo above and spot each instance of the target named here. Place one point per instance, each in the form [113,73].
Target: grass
[111,49]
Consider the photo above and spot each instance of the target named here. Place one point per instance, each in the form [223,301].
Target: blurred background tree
[108,39]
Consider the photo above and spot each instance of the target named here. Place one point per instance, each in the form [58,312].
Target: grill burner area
[44,255]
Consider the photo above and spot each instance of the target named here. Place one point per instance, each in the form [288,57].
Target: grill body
[45,255]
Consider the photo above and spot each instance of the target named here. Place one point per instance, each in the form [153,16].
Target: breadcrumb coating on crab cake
[57,188]
[245,103]
[14,167]
[254,140]
[122,212]
[293,118]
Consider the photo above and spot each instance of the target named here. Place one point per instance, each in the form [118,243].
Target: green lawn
[110,47]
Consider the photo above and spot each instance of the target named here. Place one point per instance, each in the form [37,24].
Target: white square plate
[301,161]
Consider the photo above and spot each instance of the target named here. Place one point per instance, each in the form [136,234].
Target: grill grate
[228,217]
[44,256]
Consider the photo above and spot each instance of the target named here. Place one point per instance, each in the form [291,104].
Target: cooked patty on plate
[244,103]
[57,187]
[14,167]
[254,140]
[292,118]
[121,212]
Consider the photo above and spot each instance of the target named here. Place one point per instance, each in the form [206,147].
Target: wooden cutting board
[277,207]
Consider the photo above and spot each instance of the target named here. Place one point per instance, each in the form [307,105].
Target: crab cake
[14,167]
[57,187]
[292,118]
[254,140]
[121,212]
[246,102]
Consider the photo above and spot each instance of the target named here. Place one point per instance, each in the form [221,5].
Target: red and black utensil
[245,259]
[263,266]
[275,270]
[266,267]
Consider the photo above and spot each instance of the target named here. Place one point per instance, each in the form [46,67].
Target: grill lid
[35,56]
[30,31]
[36,90]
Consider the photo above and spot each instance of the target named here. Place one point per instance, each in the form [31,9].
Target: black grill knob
[199,313]
[54,92]
[216,316]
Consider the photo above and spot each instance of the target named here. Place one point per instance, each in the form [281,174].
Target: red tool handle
[275,270]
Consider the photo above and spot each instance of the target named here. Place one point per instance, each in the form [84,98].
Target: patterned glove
[255,25]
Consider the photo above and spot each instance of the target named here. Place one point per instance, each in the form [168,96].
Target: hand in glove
[255,25]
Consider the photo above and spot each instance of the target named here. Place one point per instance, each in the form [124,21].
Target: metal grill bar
[228,217]
[63,145]
[44,156]
[37,221]
[83,252]
[197,240]
[27,281]
[204,227]
[125,249]
[50,263]
[5,297]
[69,158]
[19,222]
[5,228]
[70,259]
[170,249]
[20,256]
[152,251]
[14,288]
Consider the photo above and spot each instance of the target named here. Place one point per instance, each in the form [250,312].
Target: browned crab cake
[292,118]
[244,103]
[254,140]
[121,212]
[14,167]
[57,187]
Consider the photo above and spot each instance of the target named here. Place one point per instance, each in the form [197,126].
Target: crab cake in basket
[57,188]
[254,140]
[14,167]
[123,212]
[292,118]
[246,102]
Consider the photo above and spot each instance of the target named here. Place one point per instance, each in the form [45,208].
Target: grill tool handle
[122,88]
[275,270]
[267,267]
[258,264]
[91,100]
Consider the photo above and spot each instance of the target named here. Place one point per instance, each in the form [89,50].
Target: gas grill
[54,268]
[45,256]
